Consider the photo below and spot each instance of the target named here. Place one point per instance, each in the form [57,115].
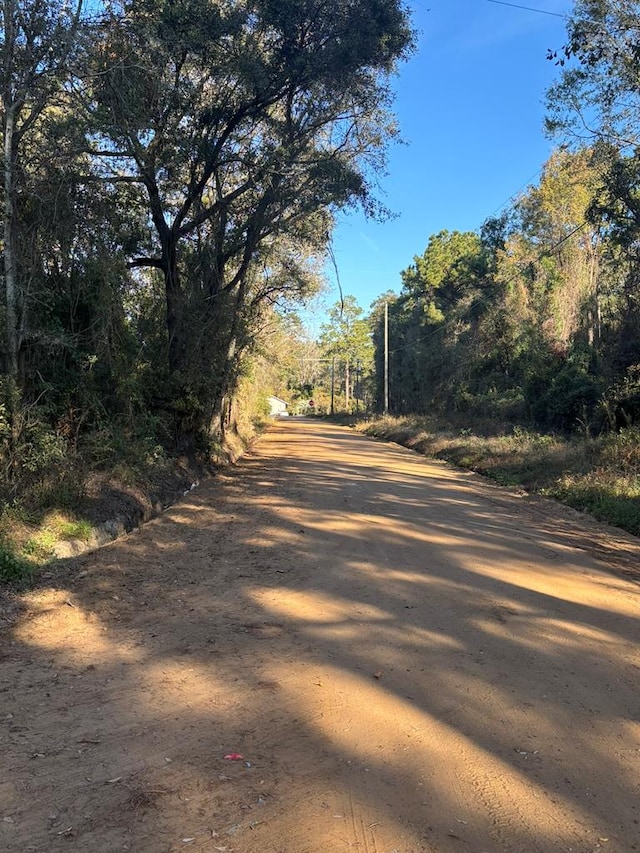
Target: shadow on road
[406,658]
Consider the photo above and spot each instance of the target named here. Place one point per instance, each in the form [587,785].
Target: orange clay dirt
[406,657]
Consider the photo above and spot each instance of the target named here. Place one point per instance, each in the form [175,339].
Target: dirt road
[407,659]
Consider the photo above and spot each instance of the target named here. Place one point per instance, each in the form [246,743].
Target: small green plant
[526,439]
[608,497]
[14,569]
[39,549]
[56,527]
[75,529]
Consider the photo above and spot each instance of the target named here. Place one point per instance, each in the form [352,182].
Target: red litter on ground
[234,756]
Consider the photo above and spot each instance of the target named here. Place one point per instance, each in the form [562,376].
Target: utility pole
[386,358]
[333,373]
[347,380]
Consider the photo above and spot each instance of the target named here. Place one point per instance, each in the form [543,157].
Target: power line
[479,300]
[514,195]
[529,9]
[485,297]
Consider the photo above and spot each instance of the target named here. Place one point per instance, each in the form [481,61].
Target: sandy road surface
[407,659]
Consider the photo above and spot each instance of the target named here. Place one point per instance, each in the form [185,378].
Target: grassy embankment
[600,475]
[59,506]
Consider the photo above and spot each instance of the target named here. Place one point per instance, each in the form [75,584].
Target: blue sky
[470,105]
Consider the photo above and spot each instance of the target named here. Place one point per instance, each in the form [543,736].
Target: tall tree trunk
[177,363]
[10,261]
[9,208]
[201,358]
[224,388]
[175,307]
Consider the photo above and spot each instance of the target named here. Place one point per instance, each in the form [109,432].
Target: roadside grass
[600,475]
[15,570]
[606,495]
[106,481]
[28,541]
[55,527]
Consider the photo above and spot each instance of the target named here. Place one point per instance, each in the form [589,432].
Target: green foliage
[451,266]
[347,334]
[14,570]
[621,401]
[236,114]
[534,321]
[615,499]
[55,527]
[621,451]
[432,325]
[346,347]
[173,184]
[599,476]
[27,445]
[570,397]
[600,74]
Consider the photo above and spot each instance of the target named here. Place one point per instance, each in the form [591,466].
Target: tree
[237,124]
[597,101]
[597,97]
[566,245]
[439,305]
[448,270]
[346,339]
[37,38]
[287,361]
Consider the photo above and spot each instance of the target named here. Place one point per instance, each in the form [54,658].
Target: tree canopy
[533,320]
[206,146]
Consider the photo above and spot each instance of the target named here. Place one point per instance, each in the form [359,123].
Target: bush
[571,398]
[14,570]
[27,444]
[608,497]
[621,451]
[621,402]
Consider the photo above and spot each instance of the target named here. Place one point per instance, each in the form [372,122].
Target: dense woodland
[172,172]
[536,318]
[172,169]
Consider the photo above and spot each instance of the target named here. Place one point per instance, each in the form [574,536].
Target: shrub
[621,451]
[14,569]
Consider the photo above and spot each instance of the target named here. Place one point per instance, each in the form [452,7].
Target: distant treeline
[537,317]
[534,319]
[170,171]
